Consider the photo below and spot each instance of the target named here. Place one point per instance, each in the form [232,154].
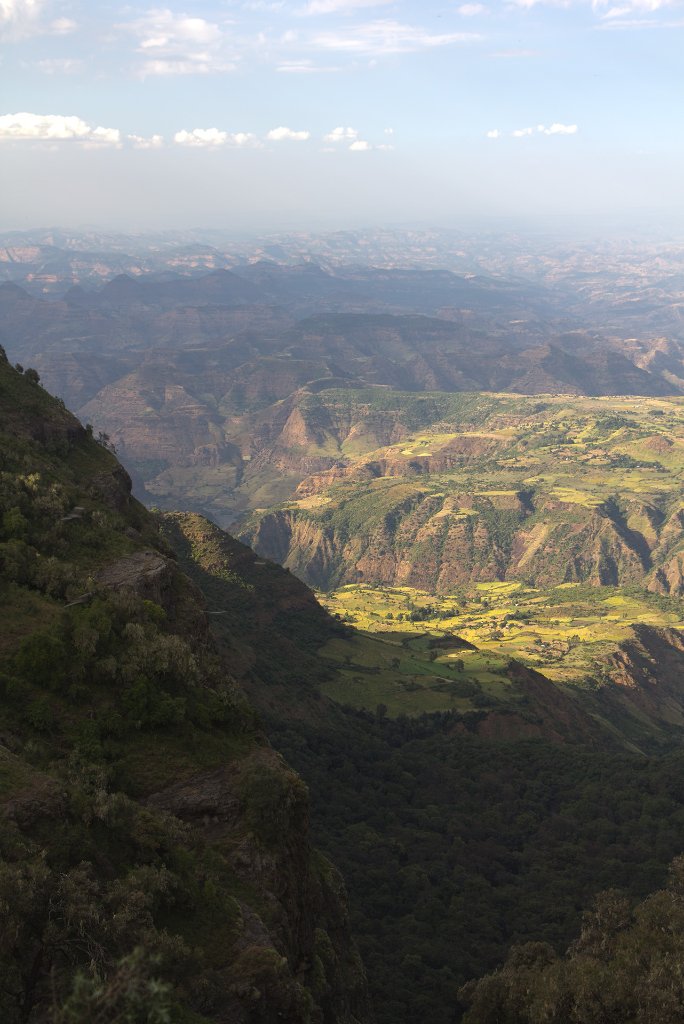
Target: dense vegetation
[626,966]
[454,848]
[154,860]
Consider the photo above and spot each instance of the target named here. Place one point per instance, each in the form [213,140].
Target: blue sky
[338,113]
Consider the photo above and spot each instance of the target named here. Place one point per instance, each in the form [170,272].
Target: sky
[257,115]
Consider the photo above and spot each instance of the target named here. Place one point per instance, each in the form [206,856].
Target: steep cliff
[445,491]
[410,536]
[154,848]
[642,693]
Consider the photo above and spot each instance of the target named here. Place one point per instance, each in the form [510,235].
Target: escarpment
[441,541]
[148,831]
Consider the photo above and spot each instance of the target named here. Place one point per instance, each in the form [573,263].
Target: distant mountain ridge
[194,377]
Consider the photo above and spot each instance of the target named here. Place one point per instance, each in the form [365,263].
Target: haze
[337,113]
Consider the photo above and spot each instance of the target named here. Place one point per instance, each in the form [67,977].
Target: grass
[395,669]
[565,632]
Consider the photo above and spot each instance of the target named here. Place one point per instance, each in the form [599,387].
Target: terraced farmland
[539,491]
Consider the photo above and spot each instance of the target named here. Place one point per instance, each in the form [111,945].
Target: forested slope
[457,834]
[154,853]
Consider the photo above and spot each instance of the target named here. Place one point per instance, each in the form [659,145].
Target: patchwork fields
[415,652]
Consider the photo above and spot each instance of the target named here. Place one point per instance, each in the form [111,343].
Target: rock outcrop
[438,543]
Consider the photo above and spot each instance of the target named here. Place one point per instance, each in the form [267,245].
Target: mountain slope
[148,832]
[143,808]
[189,375]
[440,492]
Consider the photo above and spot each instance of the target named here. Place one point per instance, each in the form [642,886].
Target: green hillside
[540,529]
[154,855]
[553,490]
[568,632]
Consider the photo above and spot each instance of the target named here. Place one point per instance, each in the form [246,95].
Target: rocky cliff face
[643,691]
[147,828]
[437,543]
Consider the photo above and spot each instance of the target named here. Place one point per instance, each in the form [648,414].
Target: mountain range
[478,718]
[194,378]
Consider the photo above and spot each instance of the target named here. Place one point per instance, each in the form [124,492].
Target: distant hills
[195,376]
[445,491]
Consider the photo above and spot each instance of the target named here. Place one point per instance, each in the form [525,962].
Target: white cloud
[340,6]
[605,8]
[54,128]
[303,67]
[59,65]
[164,30]
[470,10]
[19,17]
[198,64]
[341,135]
[143,142]
[283,134]
[633,5]
[558,129]
[243,139]
[103,137]
[494,134]
[22,18]
[63,26]
[630,8]
[212,137]
[387,37]
[175,44]
[201,137]
[348,138]
[264,5]
[553,129]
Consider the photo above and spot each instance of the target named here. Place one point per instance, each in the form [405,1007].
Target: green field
[409,656]
[410,672]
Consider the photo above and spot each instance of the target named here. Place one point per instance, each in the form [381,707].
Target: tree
[128,995]
[626,966]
